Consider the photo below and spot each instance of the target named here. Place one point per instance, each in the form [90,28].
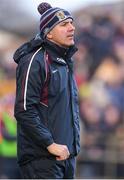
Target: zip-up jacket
[46,105]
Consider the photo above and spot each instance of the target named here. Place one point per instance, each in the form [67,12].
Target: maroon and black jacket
[46,106]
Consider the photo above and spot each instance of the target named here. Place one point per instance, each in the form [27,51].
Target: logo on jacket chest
[54,71]
[61,60]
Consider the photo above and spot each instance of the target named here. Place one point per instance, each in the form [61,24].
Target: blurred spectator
[99,71]
[111,119]
[8,143]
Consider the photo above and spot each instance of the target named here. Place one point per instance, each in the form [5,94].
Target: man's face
[63,33]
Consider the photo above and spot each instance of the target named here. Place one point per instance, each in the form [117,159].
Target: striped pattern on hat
[51,17]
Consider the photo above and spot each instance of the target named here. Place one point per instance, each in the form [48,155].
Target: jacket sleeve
[30,80]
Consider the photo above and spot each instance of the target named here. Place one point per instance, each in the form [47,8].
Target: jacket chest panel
[58,79]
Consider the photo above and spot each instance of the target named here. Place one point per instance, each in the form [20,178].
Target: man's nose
[71,27]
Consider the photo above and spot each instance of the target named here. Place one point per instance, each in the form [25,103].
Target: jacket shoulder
[38,54]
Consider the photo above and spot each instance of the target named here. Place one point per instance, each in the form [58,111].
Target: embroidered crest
[60,15]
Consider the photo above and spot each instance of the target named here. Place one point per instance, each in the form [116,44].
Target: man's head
[56,25]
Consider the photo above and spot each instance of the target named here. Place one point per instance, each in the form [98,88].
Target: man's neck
[66,47]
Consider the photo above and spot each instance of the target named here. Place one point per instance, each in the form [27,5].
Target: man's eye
[63,24]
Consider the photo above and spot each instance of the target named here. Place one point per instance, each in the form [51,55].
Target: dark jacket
[46,106]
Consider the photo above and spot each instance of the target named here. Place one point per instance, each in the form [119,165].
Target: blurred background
[99,72]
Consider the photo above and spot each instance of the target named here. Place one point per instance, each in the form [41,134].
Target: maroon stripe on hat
[46,20]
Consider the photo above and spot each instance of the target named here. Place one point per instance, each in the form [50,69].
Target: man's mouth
[70,36]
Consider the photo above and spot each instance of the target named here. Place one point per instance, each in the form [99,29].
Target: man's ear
[49,35]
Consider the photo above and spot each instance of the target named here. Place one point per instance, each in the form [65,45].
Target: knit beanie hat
[50,17]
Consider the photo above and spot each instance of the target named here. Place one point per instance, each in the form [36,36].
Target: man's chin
[71,43]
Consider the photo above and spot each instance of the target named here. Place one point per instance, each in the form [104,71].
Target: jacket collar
[58,53]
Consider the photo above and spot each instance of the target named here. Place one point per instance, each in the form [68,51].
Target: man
[46,106]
